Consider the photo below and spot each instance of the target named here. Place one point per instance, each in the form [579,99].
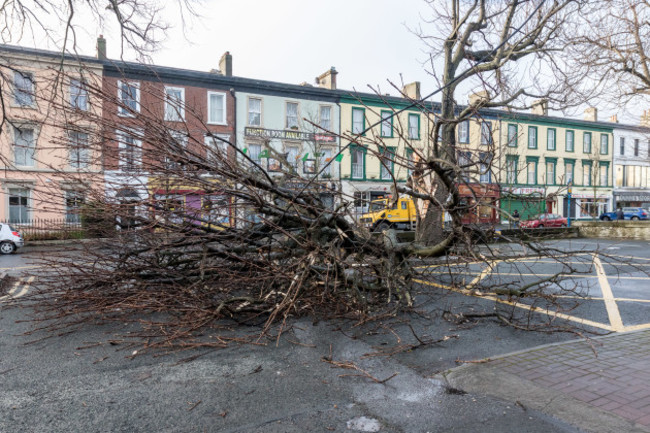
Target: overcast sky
[292,41]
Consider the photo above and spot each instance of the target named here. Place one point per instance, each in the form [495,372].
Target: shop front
[481,203]
[586,205]
[528,202]
[632,199]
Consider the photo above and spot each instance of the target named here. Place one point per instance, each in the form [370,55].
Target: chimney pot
[225,64]
[327,79]
[101,48]
[412,90]
[591,114]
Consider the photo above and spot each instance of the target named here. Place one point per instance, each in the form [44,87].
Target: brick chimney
[225,64]
[645,118]
[477,97]
[412,90]
[614,118]
[591,114]
[101,48]
[327,79]
[540,107]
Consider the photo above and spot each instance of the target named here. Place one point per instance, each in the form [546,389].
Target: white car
[10,239]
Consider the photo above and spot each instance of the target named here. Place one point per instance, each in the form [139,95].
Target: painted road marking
[534,309]
[610,304]
[568,276]
[19,289]
[21,267]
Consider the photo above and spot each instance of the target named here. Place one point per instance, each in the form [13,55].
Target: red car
[544,220]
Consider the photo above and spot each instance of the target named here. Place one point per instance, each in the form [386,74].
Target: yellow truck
[386,214]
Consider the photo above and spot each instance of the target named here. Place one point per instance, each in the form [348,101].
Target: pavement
[600,385]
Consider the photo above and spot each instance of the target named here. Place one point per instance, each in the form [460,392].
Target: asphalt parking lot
[94,380]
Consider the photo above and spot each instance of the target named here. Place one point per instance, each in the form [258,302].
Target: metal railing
[49,229]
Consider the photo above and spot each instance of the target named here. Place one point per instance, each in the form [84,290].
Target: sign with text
[289,135]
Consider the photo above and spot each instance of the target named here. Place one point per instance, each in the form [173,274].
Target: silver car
[10,239]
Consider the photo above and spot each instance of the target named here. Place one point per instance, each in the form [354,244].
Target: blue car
[631,213]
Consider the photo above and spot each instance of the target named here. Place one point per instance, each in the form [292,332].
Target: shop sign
[523,190]
[478,190]
[289,135]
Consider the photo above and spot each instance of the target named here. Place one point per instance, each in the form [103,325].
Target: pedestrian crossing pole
[568,195]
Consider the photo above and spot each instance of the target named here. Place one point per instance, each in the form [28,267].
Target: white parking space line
[11,268]
[608,297]
[19,289]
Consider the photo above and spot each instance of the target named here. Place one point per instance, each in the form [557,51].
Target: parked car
[10,239]
[630,213]
[544,220]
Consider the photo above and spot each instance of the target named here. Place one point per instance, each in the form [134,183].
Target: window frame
[589,178]
[177,106]
[224,107]
[572,133]
[296,126]
[604,144]
[392,151]
[248,112]
[463,132]
[485,160]
[417,135]
[548,139]
[509,137]
[621,141]
[82,89]
[535,161]
[586,142]
[122,111]
[362,111]
[26,93]
[320,117]
[30,161]
[75,147]
[572,163]
[601,165]
[489,136]
[636,146]
[386,122]
[363,152]
[514,159]
[11,192]
[530,129]
[137,152]
[552,161]
[78,199]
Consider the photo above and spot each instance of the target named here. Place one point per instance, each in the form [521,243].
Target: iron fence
[50,229]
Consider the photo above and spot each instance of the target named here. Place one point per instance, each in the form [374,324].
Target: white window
[325,158]
[485,167]
[217,108]
[254,152]
[550,173]
[176,150]
[217,146]
[23,89]
[604,170]
[586,174]
[586,142]
[414,126]
[78,95]
[486,133]
[568,172]
[74,200]
[174,104]
[293,156]
[386,124]
[532,137]
[550,139]
[254,112]
[326,117]
[570,136]
[463,131]
[358,157]
[24,145]
[128,95]
[19,205]
[511,170]
[358,120]
[130,155]
[532,173]
[79,152]
[512,135]
[386,168]
[292,115]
